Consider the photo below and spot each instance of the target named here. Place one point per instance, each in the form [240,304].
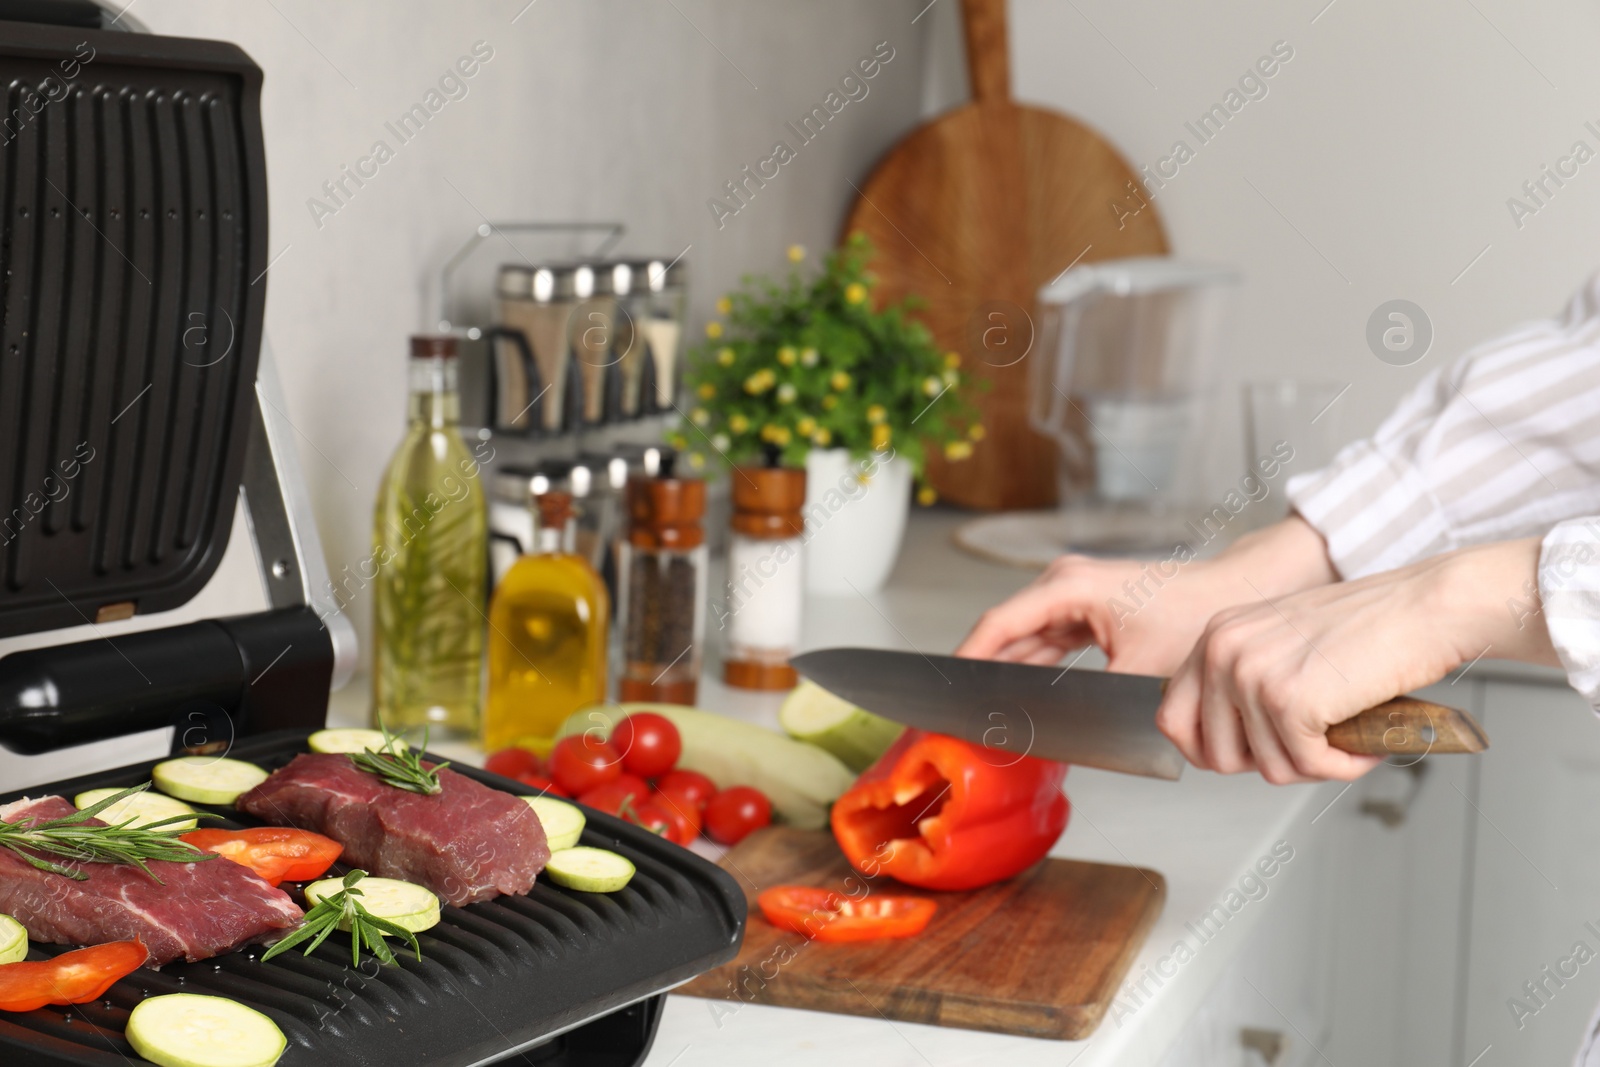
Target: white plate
[1033,539]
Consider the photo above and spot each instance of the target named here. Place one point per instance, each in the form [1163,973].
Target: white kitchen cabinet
[1427,935]
[1273,996]
[1357,957]
[1535,874]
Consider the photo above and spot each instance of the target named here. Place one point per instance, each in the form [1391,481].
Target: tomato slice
[75,977]
[276,853]
[823,915]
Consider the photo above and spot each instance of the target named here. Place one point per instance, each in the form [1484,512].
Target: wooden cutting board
[975,211]
[1040,956]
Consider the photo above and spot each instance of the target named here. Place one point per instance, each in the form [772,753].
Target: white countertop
[1203,833]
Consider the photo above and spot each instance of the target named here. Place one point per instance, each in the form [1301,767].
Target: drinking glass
[1293,422]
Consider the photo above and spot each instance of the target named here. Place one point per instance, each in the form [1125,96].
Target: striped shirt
[1504,444]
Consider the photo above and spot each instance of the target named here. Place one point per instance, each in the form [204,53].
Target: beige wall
[1392,141]
[598,109]
[1377,166]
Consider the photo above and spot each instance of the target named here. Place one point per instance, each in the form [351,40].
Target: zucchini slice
[13,940]
[402,903]
[142,808]
[589,870]
[188,1030]
[350,740]
[562,822]
[207,779]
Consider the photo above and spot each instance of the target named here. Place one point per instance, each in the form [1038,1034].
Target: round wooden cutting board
[974,212]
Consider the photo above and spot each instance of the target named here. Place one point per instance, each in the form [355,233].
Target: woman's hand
[1145,615]
[1267,679]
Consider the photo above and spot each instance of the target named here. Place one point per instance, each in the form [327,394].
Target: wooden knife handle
[1407,726]
[988,54]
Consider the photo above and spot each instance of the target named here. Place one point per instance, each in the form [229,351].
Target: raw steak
[466,843]
[198,910]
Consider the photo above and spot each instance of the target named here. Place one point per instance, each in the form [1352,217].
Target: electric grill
[132,210]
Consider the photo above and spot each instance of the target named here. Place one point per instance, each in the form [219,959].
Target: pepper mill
[661,582]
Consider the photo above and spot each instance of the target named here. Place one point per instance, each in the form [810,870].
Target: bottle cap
[658,275]
[515,282]
[433,346]
[554,507]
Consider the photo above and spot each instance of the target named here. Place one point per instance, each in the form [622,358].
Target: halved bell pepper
[939,813]
[276,853]
[823,915]
[75,977]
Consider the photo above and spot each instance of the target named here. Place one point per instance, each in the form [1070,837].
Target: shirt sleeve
[1569,586]
[1501,445]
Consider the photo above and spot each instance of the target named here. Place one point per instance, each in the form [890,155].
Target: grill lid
[132,251]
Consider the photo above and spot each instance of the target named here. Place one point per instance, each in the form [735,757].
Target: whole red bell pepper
[939,813]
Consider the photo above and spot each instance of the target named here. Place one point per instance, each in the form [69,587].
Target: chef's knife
[1092,718]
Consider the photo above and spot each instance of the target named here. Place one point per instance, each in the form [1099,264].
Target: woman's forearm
[1286,557]
[1268,678]
[1489,596]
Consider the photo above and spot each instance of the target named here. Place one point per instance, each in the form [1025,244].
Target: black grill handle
[213,680]
[84,14]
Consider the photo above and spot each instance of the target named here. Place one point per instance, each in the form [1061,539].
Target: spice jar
[528,305]
[765,581]
[661,580]
[660,319]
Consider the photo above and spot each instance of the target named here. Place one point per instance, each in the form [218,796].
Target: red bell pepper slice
[75,977]
[276,853]
[823,915]
[939,813]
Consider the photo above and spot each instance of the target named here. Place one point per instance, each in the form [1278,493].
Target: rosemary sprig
[337,910]
[69,838]
[400,766]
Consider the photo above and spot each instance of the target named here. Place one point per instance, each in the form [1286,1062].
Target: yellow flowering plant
[811,363]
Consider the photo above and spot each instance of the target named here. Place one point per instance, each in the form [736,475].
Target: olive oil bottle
[430,551]
[547,635]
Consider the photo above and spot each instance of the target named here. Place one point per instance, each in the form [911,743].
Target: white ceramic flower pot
[855,519]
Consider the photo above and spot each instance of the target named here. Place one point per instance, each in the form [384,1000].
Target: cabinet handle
[1392,813]
[1270,1045]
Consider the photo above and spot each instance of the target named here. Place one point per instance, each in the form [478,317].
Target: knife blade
[1087,717]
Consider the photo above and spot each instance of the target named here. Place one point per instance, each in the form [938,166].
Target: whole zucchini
[800,779]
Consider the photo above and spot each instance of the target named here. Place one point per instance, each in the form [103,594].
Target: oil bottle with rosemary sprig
[430,551]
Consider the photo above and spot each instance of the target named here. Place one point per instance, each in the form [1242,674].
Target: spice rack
[566,351]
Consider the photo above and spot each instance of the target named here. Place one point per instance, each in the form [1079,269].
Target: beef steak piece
[197,910]
[466,843]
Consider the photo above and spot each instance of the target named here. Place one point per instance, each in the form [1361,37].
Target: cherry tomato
[823,915]
[513,763]
[734,813]
[633,784]
[75,977]
[691,786]
[649,743]
[610,797]
[681,814]
[276,853]
[582,761]
[543,785]
[649,814]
